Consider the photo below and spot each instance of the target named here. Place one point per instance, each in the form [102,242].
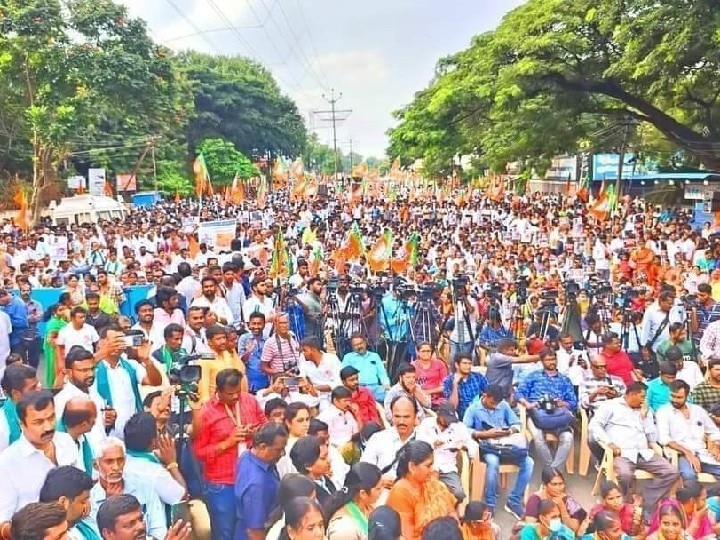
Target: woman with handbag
[571,512]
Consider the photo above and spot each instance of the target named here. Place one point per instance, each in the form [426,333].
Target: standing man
[313,307]
[231,287]
[258,302]
[211,300]
[707,393]
[224,428]
[194,340]
[703,313]
[79,378]
[118,378]
[256,483]
[16,310]
[31,339]
[78,420]
[281,353]
[17,381]
[250,348]
[25,464]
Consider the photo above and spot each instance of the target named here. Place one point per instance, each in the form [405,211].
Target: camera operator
[657,319]
[493,331]
[281,353]
[593,332]
[703,311]
[314,308]
[465,315]
[395,324]
[217,341]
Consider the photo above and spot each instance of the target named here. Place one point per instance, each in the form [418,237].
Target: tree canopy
[557,75]
[238,99]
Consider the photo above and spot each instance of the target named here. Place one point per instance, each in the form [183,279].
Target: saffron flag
[237,193]
[202,177]
[21,218]
[262,193]
[378,257]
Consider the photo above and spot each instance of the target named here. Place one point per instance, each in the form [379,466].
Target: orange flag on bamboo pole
[193,246]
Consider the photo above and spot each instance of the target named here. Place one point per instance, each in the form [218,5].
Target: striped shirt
[282,353]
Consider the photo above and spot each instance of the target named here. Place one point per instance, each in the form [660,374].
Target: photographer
[572,362]
[493,331]
[657,319]
[314,308]
[465,319]
[395,314]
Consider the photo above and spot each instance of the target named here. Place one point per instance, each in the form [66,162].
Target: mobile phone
[134,340]
[291,381]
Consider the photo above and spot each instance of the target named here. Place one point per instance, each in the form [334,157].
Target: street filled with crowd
[415,363]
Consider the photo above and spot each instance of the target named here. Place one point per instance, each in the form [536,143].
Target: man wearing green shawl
[17,381]
[78,420]
[71,487]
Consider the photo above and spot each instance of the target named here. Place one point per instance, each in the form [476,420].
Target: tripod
[395,355]
[349,321]
[424,325]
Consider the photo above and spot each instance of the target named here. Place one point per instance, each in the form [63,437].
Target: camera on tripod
[332,284]
[597,287]
[459,284]
[494,291]
[690,301]
[572,289]
[185,374]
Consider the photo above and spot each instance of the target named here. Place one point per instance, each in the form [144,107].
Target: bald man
[78,420]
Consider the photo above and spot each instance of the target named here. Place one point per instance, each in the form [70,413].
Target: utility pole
[154,163]
[621,160]
[335,117]
[351,157]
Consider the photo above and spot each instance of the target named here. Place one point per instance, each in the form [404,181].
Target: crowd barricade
[47,296]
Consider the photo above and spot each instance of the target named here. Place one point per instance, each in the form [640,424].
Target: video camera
[597,287]
[521,286]
[459,284]
[186,375]
[572,289]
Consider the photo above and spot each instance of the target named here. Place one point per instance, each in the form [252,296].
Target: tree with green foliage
[224,162]
[79,74]
[558,73]
[238,99]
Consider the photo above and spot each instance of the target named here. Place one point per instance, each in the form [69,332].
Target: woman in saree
[59,318]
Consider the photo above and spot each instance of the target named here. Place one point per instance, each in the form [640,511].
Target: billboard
[605,166]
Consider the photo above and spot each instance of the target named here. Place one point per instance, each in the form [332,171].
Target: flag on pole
[354,246]
[237,193]
[262,192]
[21,218]
[280,265]
[412,249]
[108,189]
[202,177]
[378,257]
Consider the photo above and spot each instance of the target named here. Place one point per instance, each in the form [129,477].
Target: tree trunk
[695,143]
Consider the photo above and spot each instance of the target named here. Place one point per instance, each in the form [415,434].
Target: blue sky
[378,53]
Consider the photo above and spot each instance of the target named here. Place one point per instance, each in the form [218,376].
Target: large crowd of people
[334,371]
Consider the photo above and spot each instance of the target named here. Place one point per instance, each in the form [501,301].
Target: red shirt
[217,425]
[366,402]
[620,365]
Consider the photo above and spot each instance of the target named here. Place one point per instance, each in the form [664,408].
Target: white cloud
[354,67]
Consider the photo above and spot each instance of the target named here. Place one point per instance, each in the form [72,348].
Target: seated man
[362,398]
[597,387]
[371,369]
[343,422]
[464,386]
[685,427]
[493,421]
[407,386]
[39,521]
[623,426]
[658,389]
[121,516]
[539,387]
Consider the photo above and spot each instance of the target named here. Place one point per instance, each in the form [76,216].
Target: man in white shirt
[342,423]
[71,488]
[114,480]
[160,468]
[118,379]
[194,340]
[260,303]
[626,427]
[80,370]
[188,286]
[320,368]
[687,371]
[685,427]
[26,462]
[447,435]
[17,381]
[382,448]
[78,332]
[215,303]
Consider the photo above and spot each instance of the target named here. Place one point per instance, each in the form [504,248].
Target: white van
[81,209]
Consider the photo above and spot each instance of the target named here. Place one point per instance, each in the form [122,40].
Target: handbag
[558,419]
[505,452]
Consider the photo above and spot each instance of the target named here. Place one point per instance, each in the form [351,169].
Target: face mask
[555,525]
